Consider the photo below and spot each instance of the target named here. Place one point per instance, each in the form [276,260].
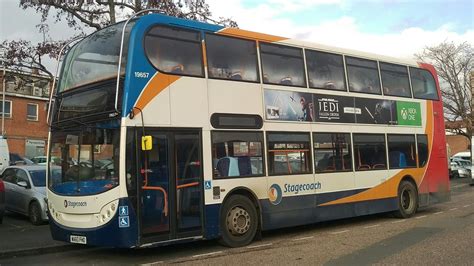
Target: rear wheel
[238,222]
[407,200]
[35,213]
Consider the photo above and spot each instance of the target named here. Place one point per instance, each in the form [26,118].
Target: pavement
[18,237]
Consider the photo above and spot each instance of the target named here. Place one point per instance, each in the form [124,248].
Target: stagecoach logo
[74,204]
[275,194]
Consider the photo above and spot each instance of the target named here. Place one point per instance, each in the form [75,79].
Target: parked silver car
[25,191]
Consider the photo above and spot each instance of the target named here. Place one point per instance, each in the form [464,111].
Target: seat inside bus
[397,159]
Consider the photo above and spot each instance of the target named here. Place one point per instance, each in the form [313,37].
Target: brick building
[26,107]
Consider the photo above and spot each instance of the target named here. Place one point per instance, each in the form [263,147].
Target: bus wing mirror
[146,143]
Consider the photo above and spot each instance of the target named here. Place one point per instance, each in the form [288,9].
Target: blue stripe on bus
[106,235]
[301,210]
[137,60]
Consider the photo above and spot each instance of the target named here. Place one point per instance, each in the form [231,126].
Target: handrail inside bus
[56,76]
[165,197]
[121,50]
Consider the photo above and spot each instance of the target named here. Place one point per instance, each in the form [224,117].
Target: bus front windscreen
[95,58]
[88,161]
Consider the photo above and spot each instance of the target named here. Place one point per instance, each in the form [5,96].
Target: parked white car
[461,168]
[41,160]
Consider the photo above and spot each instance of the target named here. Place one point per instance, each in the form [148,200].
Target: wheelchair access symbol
[124,221]
[207,184]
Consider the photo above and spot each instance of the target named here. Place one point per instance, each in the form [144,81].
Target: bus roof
[241,33]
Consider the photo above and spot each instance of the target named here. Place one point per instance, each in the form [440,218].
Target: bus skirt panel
[120,231]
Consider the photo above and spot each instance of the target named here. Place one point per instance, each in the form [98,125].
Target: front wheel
[407,200]
[238,221]
[35,213]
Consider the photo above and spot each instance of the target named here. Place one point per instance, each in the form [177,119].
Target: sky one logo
[275,194]
[74,204]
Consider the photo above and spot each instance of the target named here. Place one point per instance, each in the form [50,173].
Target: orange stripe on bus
[204,54]
[251,35]
[156,85]
[188,185]
[389,188]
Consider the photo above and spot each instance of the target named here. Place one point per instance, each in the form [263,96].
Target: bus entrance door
[171,191]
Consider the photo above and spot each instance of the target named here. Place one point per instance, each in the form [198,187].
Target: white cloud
[343,32]
[296,5]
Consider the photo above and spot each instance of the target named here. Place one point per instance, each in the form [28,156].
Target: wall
[18,129]
[457,143]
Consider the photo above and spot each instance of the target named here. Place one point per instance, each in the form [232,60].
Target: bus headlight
[107,212]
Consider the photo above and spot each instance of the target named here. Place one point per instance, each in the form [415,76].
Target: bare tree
[96,14]
[100,13]
[454,63]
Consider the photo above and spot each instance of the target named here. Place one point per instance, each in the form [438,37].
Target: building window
[332,152]
[32,112]
[282,65]
[369,152]
[175,51]
[363,75]
[325,71]
[289,153]
[237,154]
[423,152]
[8,109]
[423,84]
[231,58]
[401,151]
[395,80]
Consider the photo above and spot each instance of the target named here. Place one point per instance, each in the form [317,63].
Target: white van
[4,153]
[465,155]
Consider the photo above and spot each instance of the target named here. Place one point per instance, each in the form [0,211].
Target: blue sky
[392,27]
[397,28]
[392,16]
[384,16]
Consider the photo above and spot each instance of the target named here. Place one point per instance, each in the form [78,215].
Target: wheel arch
[410,179]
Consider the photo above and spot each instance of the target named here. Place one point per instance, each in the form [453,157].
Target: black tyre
[35,213]
[238,221]
[407,200]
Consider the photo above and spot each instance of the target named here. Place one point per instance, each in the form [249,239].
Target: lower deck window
[289,153]
[332,152]
[401,151]
[237,154]
[369,152]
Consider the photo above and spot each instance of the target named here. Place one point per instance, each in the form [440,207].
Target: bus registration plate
[78,239]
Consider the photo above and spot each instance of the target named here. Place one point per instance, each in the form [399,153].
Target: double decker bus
[166,130]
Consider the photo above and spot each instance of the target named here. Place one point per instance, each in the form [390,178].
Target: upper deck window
[424,86]
[231,58]
[395,80]
[282,65]
[325,71]
[175,50]
[95,58]
[363,75]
